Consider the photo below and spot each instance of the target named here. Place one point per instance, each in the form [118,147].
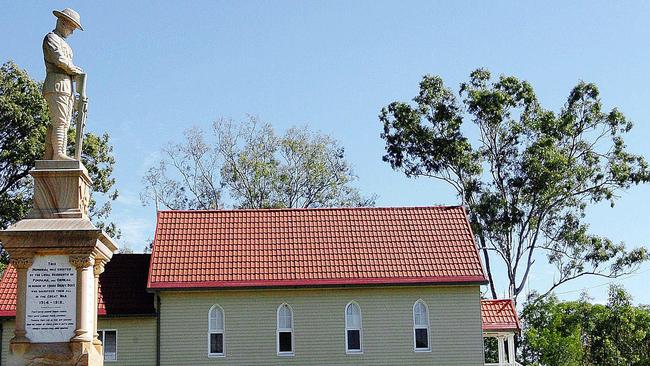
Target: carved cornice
[21,262]
[80,261]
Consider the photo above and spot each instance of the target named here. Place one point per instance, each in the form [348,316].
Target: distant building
[344,286]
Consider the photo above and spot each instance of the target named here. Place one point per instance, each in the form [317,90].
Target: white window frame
[428,328]
[278,330]
[347,327]
[103,336]
[217,331]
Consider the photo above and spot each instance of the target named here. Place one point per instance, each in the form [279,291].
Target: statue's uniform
[57,90]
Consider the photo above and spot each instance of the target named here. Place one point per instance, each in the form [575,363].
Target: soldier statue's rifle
[81,106]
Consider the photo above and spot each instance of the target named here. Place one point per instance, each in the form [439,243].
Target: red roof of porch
[499,315]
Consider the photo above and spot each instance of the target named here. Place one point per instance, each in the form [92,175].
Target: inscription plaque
[51,299]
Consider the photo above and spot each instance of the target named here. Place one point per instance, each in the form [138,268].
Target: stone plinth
[58,255]
[55,354]
[61,189]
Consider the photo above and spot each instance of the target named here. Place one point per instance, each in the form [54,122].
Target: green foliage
[529,177]
[491,349]
[580,333]
[23,121]
[252,166]
[552,333]
[97,156]
[23,117]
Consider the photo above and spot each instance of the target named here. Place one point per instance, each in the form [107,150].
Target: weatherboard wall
[136,340]
[7,334]
[250,326]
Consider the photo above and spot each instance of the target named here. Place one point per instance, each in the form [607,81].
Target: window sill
[353,352]
[422,350]
[286,354]
[216,355]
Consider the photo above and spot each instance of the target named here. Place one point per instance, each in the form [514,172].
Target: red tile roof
[122,288]
[313,247]
[499,315]
[8,292]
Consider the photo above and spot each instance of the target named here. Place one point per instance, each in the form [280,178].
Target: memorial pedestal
[58,255]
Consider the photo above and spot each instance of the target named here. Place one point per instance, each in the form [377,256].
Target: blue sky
[158,68]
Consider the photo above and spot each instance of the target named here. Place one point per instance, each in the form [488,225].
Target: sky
[158,68]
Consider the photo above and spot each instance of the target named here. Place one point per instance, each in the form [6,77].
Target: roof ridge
[381,208]
[497,300]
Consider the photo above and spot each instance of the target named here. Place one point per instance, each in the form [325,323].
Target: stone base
[55,354]
[61,189]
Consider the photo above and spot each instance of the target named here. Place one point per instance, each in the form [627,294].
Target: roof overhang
[319,283]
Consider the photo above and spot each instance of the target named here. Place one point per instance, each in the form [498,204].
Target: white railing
[503,364]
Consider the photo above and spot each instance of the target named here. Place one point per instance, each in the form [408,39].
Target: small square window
[354,340]
[109,341]
[421,339]
[285,342]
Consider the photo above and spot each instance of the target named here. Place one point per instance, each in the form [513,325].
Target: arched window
[216,331]
[353,329]
[285,330]
[421,326]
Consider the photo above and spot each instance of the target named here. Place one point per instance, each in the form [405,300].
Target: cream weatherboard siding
[136,340]
[319,326]
[250,326]
[7,334]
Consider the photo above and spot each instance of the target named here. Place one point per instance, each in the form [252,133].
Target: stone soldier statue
[58,86]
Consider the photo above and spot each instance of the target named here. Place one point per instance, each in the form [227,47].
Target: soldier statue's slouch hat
[69,15]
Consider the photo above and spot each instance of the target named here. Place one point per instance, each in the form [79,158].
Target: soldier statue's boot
[60,143]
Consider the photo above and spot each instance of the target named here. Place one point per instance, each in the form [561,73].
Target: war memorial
[56,250]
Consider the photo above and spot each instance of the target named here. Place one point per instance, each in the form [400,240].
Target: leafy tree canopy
[528,176]
[583,334]
[23,121]
[252,167]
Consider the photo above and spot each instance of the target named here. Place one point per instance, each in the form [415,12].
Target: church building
[329,286]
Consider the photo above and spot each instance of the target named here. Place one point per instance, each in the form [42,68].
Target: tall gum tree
[248,165]
[529,177]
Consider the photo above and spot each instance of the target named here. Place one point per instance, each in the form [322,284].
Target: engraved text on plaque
[51,299]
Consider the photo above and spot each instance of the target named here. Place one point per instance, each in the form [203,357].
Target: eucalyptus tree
[248,165]
[526,174]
